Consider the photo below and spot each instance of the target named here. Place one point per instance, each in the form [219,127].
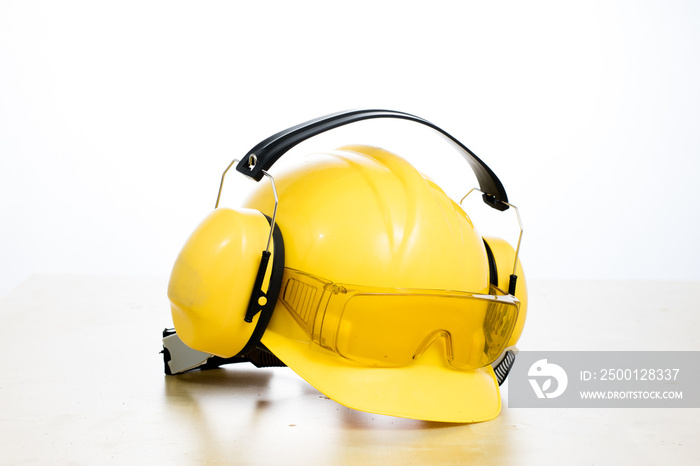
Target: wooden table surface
[81,382]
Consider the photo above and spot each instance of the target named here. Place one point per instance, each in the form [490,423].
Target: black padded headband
[265,154]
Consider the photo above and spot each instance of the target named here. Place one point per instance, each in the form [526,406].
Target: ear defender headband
[258,312]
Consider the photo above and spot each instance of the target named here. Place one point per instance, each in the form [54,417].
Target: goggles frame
[321,307]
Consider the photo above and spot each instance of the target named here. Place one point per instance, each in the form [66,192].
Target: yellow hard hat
[373,285]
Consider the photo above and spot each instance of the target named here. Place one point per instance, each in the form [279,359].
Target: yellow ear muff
[212,281]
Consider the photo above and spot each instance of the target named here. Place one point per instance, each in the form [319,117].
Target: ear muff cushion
[493,269]
[273,290]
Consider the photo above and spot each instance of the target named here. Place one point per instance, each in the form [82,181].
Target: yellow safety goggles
[387,327]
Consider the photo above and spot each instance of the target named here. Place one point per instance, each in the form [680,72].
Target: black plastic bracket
[254,305]
[492,201]
[512,284]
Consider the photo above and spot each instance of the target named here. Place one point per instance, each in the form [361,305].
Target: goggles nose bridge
[432,339]
[453,349]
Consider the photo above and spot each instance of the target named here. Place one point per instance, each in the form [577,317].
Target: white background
[116,120]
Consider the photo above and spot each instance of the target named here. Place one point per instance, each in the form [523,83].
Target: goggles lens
[387,327]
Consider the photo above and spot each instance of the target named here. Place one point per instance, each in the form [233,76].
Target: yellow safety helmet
[361,275]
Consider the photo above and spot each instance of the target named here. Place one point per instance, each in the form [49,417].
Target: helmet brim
[429,389]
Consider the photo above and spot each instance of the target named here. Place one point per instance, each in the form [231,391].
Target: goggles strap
[503,365]
[179,358]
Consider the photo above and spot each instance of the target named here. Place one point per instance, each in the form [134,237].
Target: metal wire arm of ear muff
[252,161]
[513,276]
[258,298]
